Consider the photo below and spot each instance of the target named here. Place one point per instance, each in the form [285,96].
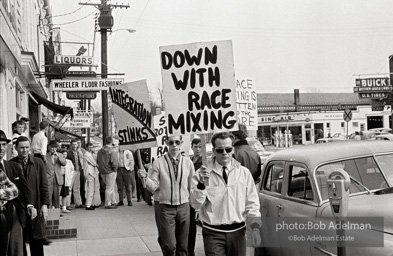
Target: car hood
[368,205]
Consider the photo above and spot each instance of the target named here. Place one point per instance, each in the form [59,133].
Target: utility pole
[105,21]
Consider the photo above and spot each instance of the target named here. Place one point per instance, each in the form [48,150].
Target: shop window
[355,124]
[342,124]
[327,125]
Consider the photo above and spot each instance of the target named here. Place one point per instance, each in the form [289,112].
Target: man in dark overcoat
[35,174]
[17,209]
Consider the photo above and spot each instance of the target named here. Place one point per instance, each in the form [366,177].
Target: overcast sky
[311,45]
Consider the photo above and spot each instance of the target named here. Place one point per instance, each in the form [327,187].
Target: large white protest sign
[160,128]
[246,95]
[133,118]
[199,87]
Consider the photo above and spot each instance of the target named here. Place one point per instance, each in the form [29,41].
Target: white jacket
[68,172]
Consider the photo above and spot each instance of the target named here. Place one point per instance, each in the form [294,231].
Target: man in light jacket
[90,168]
[54,162]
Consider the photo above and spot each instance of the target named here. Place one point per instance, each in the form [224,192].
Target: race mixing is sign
[199,87]
[161,133]
[133,117]
[246,96]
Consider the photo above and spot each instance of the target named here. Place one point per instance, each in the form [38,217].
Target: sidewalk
[123,231]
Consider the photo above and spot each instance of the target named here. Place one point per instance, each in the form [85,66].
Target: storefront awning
[52,106]
[61,134]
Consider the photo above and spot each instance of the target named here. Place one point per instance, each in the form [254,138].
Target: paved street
[123,231]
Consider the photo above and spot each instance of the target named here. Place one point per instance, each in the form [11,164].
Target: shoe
[95,206]
[69,208]
[46,241]
[129,203]
[91,208]
[120,203]
[80,206]
[149,203]
[65,211]
[138,200]
[111,207]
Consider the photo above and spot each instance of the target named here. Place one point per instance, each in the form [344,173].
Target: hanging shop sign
[73,60]
[85,85]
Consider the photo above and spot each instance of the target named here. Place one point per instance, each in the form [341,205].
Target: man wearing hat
[17,209]
[40,142]
[54,162]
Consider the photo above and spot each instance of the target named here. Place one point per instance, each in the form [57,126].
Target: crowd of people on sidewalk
[219,193]
[37,175]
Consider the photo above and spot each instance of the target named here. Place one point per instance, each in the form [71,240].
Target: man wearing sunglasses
[225,194]
[172,175]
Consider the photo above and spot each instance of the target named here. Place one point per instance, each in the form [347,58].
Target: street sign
[370,89]
[378,105]
[73,60]
[81,95]
[347,116]
[85,73]
[373,82]
[373,95]
[92,84]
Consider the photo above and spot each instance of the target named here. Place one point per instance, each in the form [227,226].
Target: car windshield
[365,170]
[256,145]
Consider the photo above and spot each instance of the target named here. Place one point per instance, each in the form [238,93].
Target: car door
[299,200]
[269,196]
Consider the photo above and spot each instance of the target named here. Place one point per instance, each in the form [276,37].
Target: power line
[65,14]
[74,20]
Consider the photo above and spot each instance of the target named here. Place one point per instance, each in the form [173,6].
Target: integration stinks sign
[133,117]
[199,87]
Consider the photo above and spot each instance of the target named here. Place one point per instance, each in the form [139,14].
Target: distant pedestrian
[75,156]
[172,174]
[65,192]
[196,147]
[107,160]
[123,179]
[39,143]
[17,130]
[243,153]
[54,163]
[91,173]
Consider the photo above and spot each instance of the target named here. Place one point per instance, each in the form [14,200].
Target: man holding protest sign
[225,194]
[172,174]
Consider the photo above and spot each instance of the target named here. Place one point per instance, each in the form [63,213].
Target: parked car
[371,135]
[324,140]
[294,184]
[387,136]
[381,130]
[258,147]
[338,136]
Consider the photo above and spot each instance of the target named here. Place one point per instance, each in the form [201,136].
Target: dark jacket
[71,156]
[248,158]
[38,183]
[15,174]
